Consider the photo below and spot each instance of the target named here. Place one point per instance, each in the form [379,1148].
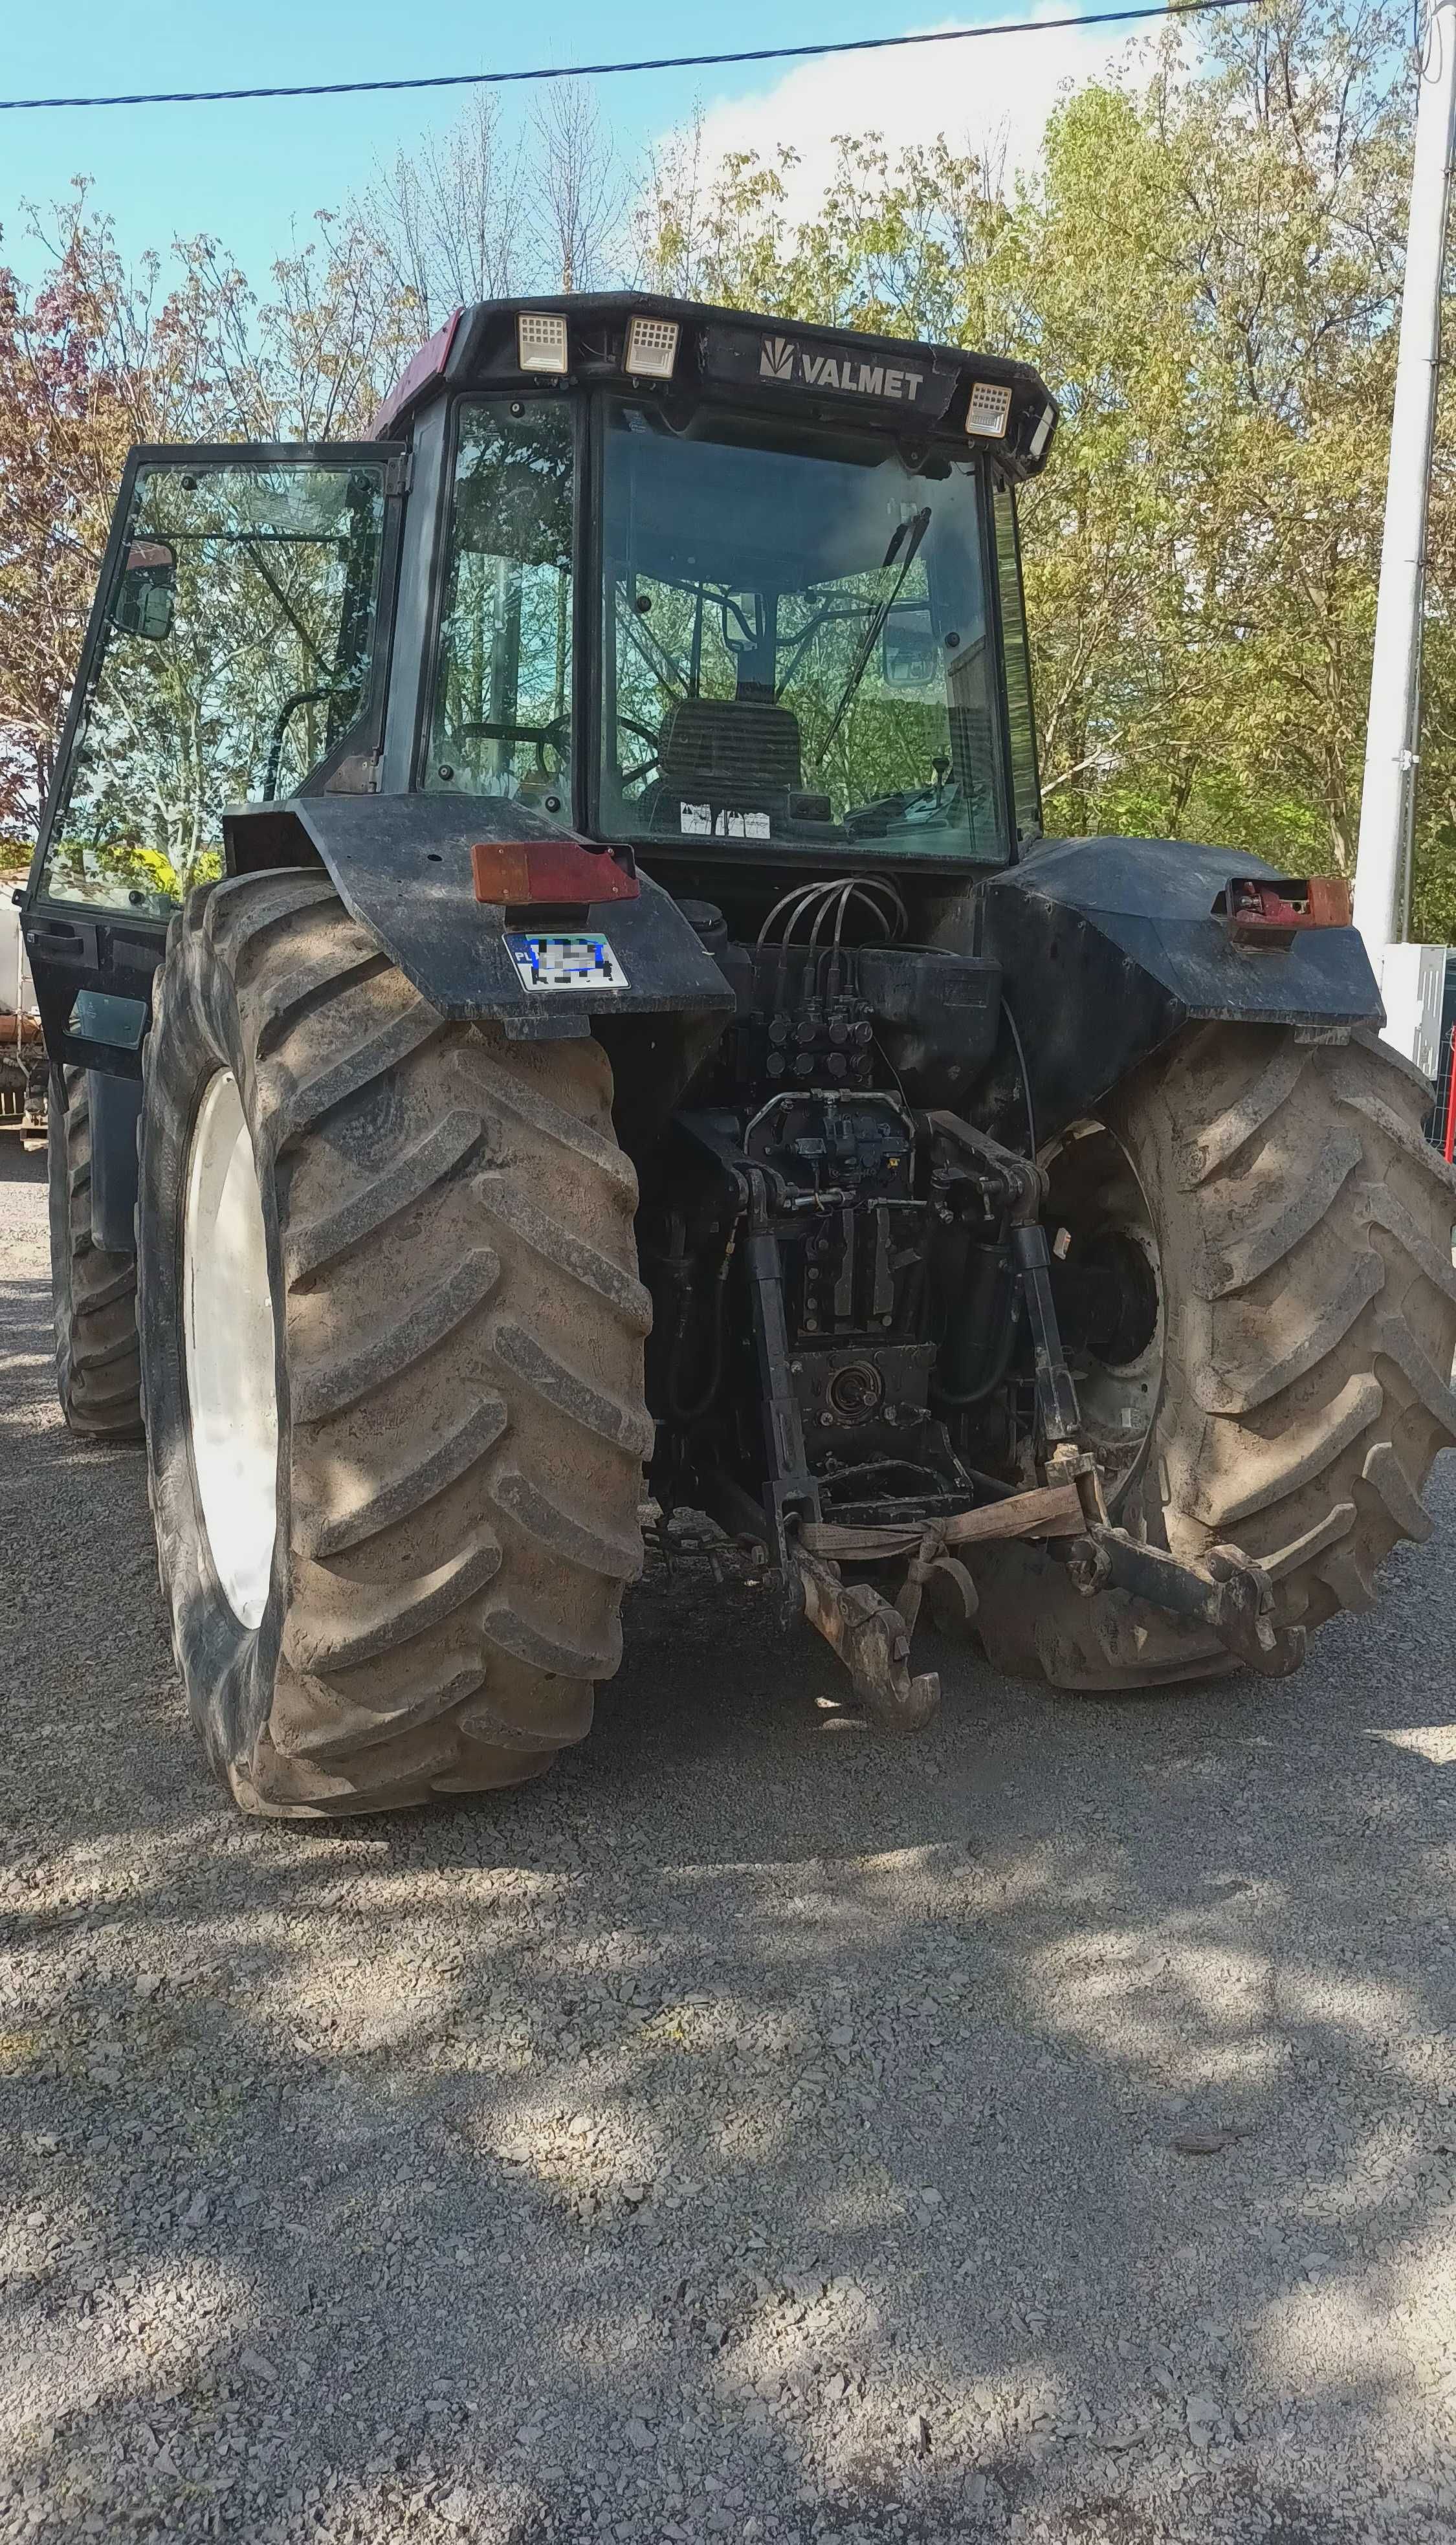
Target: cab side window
[235,652]
[1026,786]
[501,722]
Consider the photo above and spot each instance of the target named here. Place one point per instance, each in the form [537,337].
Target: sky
[249,173]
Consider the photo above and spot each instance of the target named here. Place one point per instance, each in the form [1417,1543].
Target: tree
[66,421]
[1204,550]
[574,237]
[447,218]
[1205,266]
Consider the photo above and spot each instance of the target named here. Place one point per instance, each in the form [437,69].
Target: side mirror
[145,596]
[909,658]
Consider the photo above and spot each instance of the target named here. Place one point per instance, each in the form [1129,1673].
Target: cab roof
[834,374]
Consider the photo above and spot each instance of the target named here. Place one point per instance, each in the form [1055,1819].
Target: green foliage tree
[1205,265]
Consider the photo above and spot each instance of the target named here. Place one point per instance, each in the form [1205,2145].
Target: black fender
[1109,946]
[402,868]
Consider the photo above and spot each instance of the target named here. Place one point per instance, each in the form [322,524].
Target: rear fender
[1109,946]
[402,866]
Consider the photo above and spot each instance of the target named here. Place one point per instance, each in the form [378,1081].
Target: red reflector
[1329,901]
[560,874]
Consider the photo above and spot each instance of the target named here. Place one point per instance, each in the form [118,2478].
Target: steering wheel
[629,725]
[555,735]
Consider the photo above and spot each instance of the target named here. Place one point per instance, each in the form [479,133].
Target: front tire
[457,1333]
[1301,1227]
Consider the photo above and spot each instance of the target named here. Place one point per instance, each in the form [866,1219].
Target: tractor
[558,990]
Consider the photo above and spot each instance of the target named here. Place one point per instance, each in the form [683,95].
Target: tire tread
[93,1289]
[1323,1390]
[1304,1229]
[465,1379]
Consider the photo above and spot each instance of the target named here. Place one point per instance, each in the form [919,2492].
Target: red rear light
[1273,914]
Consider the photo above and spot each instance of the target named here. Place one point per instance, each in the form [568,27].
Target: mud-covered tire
[93,1291]
[1304,1228]
[459,1335]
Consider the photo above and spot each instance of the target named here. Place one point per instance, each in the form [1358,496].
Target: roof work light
[652,347]
[990,410]
[540,338]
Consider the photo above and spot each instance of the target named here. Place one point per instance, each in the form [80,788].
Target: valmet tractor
[558,889]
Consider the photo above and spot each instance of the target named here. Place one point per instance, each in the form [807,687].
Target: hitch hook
[872,1641]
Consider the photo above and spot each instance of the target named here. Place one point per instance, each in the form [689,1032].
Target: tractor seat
[746,745]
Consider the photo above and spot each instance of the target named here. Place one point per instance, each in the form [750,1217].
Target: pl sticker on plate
[566,963]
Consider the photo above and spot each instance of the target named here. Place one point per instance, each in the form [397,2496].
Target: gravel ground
[1044,2129]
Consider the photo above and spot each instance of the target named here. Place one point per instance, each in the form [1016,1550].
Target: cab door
[236,653]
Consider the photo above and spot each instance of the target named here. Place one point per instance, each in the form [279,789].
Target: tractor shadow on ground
[338,2137]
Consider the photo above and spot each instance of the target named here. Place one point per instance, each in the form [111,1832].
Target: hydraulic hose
[959,1400]
[703,1402]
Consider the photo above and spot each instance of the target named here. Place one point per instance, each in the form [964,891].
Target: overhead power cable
[611,70]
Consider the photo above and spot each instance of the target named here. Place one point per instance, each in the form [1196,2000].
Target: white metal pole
[1393,734]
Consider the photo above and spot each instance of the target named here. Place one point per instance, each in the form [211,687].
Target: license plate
[564,962]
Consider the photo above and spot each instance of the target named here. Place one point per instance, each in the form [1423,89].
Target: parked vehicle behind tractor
[559,891]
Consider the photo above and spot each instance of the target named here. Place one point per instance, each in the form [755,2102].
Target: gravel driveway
[1044,2129]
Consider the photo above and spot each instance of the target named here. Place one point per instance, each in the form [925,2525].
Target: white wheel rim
[228,1313]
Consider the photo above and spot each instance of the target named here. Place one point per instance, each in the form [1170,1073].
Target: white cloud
[992,96]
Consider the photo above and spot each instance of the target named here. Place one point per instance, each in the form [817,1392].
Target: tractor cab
[783,566]
[787,561]
[686,585]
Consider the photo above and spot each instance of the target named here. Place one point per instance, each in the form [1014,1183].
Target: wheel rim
[1109,1283]
[227,1309]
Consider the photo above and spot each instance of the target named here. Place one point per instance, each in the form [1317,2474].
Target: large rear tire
[443,1221]
[1298,1373]
[93,1291]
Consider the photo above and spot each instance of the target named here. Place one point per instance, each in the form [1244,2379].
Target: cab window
[501,714]
[234,654]
[796,639]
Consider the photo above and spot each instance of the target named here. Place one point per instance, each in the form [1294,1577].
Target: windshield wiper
[917,526]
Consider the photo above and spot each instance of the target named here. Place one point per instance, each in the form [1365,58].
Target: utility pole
[1392,741]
